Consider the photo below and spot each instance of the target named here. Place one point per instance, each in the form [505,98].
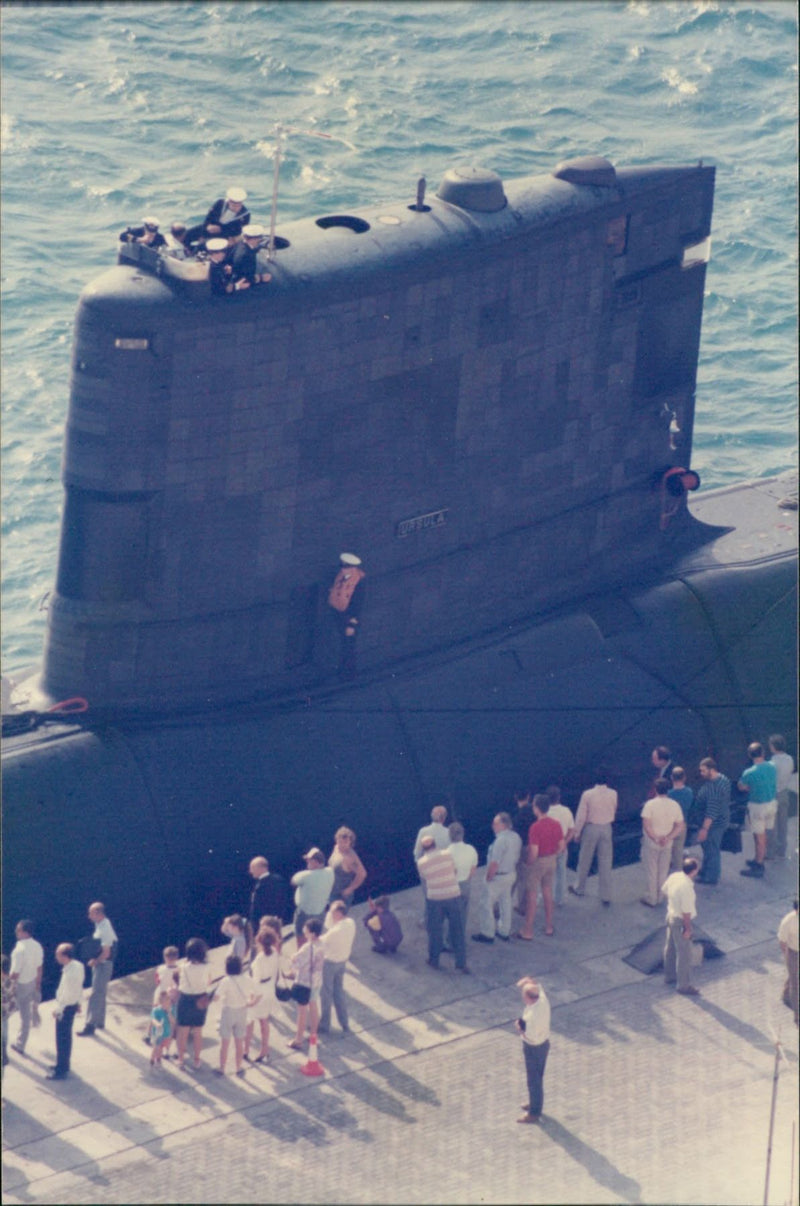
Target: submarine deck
[649,1096]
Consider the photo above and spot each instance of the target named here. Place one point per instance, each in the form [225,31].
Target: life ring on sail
[675,485]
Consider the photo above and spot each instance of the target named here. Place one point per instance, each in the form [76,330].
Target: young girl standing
[160,1028]
[236,996]
[264,973]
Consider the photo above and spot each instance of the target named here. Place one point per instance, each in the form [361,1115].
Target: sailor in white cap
[243,259]
[346,599]
[219,269]
[148,233]
[226,217]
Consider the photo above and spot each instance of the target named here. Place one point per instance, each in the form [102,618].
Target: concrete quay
[650,1097]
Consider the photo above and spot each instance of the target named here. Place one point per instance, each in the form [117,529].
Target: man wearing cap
[312,891]
[148,233]
[244,270]
[226,217]
[346,599]
[219,268]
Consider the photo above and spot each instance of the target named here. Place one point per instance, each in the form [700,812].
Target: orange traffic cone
[313,1067]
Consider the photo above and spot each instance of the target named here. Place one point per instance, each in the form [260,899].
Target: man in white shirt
[559,812]
[337,942]
[784,768]
[501,866]
[788,938]
[102,966]
[27,958]
[596,812]
[465,858]
[67,1004]
[662,822]
[437,830]
[681,909]
[534,1027]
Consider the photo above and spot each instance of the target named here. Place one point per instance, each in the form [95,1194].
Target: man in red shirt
[545,843]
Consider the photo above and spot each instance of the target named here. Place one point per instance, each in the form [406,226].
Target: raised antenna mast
[279,132]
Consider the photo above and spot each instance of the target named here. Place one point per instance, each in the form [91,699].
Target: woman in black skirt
[194,985]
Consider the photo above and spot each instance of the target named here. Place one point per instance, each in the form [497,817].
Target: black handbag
[283,990]
[732,840]
[302,992]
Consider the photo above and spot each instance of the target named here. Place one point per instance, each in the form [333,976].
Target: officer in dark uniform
[226,217]
[148,233]
[346,599]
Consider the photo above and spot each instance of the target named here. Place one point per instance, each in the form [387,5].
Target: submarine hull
[488,397]
[159,818]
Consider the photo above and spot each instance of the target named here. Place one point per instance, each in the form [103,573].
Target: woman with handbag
[194,996]
[275,927]
[307,975]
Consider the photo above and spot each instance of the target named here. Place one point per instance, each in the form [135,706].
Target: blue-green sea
[114,110]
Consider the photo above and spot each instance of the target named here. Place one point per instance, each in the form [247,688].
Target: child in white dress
[264,973]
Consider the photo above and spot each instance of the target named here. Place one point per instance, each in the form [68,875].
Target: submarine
[486,396]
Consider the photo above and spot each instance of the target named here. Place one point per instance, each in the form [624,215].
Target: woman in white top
[194,983]
[264,973]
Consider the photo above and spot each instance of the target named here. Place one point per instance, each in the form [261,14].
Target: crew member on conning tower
[244,269]
[219,268]
[226,217]
[346,599]
[148,233]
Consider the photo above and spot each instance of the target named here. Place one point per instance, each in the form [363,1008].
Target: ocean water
[111,111]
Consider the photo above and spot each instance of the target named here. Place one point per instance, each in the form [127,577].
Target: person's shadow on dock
[23,1130]
[599,1168]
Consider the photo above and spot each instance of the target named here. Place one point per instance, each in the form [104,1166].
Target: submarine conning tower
[476,394]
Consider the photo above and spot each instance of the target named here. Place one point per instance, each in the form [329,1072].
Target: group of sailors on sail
[226,238]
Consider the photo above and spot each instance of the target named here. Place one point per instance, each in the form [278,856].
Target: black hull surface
[159,818]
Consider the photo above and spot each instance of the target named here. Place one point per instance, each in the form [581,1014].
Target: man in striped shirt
[714,797]
[437,871]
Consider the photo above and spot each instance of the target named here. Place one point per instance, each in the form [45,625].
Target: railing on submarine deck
[167,261]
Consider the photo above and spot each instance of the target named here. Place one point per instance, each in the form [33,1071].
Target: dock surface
[650,1097]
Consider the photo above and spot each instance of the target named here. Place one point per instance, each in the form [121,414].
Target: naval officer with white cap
[346,599]
[244,269]
[226,217]
[148,233]
[219,268]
